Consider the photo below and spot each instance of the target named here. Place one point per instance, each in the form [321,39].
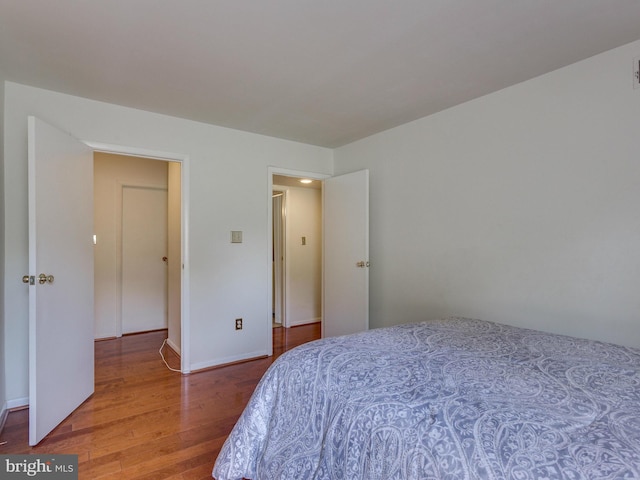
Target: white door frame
[185,331]
[279,256]
[271,171]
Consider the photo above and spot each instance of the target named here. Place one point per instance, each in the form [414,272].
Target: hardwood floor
[147,422]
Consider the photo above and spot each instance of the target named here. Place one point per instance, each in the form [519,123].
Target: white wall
[304,262]
[3,366]
[522,206]
[228,190]
[110,173]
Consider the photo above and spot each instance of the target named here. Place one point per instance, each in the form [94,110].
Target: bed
[451,399]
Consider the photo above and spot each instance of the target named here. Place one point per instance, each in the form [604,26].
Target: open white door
[346,254]
[61,357]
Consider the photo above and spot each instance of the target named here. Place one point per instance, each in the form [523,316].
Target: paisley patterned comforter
[447,399]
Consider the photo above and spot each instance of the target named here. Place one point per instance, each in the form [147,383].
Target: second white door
[144,259]
[346,254]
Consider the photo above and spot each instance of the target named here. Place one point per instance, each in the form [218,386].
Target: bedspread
[447,399]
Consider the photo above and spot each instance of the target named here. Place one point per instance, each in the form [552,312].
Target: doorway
[345,249]
[137,251]
[296,251]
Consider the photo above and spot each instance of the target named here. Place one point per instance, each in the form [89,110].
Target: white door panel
[61,359]
[346,254]
[144,272]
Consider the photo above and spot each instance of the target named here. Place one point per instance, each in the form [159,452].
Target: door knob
[362,264]
[42,279]
[28,279]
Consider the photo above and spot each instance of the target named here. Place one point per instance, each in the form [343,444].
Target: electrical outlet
[238,324]
[636,72]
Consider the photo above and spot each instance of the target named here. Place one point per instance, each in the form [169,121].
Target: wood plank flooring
[147,422]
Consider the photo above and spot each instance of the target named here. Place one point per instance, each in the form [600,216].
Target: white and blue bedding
[447,399]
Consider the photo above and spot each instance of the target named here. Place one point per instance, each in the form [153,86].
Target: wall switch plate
[636,72]
[304,240]
[236,236]
[238,324]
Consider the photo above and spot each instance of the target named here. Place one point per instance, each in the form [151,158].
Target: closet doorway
[137,255]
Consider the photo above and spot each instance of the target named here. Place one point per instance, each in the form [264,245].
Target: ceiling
[322,72]
[286,181]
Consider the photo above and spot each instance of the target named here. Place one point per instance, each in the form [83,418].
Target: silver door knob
[42,279]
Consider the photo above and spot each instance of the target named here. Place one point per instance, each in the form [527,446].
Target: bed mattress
[451,399]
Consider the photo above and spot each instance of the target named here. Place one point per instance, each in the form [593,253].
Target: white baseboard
[173,346]
[226,360]
[304,322]
[17,403]
[10,405]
